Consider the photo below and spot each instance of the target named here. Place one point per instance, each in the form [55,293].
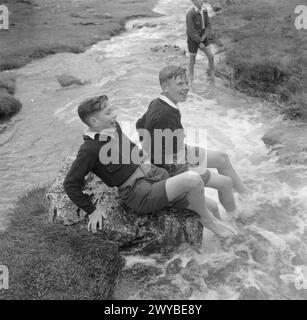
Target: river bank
[266,54]
[39,28]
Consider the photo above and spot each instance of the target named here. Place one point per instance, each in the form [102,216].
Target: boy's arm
[75,179]
[191,31]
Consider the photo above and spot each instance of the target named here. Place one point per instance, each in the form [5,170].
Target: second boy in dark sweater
[163,113]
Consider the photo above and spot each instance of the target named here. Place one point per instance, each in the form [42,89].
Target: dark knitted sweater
[88,160]
[160,115]
[194,24]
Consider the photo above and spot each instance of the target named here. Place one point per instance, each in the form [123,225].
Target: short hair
[90,106]
[171,72]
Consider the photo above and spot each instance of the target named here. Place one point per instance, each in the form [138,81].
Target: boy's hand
[202,46]
[96,218]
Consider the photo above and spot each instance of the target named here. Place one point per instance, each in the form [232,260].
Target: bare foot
[219,228]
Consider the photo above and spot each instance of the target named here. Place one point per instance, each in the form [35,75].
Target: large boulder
[288,143]
[8,105]
[66,80]
[160,233]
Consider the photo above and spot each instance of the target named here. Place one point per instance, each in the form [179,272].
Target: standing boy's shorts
[148,194]
[193,46]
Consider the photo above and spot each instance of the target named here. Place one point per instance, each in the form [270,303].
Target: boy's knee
[227,183]
[194,180]
[223,159]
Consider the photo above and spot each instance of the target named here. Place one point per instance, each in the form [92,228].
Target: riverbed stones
[169,49]
[8,105]
[67,80]
[157,233]
[141,25]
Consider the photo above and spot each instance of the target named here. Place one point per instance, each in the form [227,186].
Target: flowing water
[34,143]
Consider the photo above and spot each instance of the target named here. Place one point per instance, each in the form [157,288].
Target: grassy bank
[51,261]
[42,27]
[266,56]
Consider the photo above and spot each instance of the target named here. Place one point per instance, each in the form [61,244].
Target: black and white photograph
[153,151]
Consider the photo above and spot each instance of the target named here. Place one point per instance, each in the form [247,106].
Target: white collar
[197,10]
[168,101]
[106,132]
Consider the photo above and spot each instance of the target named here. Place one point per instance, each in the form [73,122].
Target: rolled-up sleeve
[75,180]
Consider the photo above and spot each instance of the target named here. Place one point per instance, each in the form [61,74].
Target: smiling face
[177,88]
[198,3]
[102,119]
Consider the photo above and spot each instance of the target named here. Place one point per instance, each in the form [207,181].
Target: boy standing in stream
[198,29]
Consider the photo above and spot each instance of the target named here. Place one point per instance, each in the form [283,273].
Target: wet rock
[252,293]
[258,254]
[132,280]
[288,143]
[162,289]
[174,267]
[88,23]
[144,24]
[66,80]
[103,16]
[242,254]
[169,49]
[222,267]
[160,233]
[195,275]
[7,82]
[8,105]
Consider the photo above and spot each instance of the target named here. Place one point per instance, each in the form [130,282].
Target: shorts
[193,45]
[175,169]
[148,194]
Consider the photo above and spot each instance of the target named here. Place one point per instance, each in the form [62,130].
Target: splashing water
[256,263]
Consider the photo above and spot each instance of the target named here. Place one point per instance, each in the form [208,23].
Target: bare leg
[220,161]
[224,187]
[210,57]
[212,206]
[191,67]
[191,183]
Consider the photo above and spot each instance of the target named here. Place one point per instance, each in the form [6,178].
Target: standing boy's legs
[210,57]
[191,66]
[190,183]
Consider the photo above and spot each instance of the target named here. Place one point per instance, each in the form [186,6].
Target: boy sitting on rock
[163,114]
[118,162]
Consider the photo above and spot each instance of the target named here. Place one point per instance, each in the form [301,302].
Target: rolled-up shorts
[175,169]
[148,194]
[193,46]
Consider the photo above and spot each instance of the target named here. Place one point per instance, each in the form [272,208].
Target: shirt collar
[197,10]
[106,132]
[168,101]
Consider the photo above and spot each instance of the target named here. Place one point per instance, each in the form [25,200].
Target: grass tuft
[49,261]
